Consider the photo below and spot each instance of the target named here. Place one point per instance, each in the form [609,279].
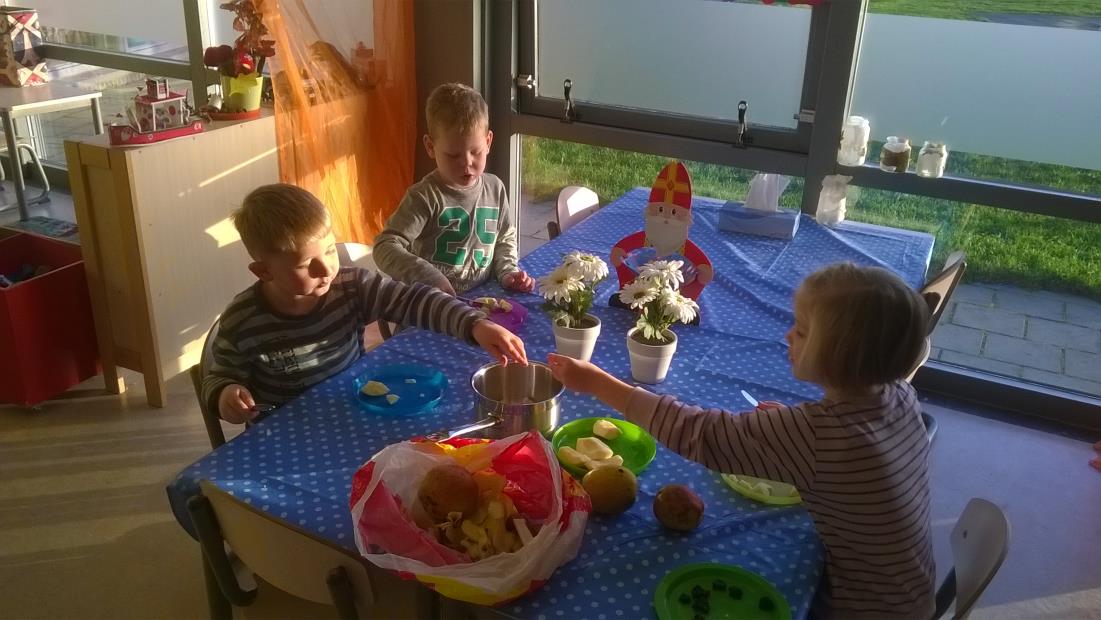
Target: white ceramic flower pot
[650,363]
[577,342]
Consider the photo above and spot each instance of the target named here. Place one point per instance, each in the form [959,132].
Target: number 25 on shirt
[452,244]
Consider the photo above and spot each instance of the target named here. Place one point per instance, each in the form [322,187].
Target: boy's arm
[415,305]
[391,249]
[230,367]
[504,252]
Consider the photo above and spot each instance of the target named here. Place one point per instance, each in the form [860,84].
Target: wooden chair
[575,203]
[937,291]
[211,419]
[296,563]
[980,542]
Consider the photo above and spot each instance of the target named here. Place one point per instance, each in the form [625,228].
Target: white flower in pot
[569,291]
[654,294]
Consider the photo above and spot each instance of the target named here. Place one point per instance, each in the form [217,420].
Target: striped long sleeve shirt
[278,356]
[861,467]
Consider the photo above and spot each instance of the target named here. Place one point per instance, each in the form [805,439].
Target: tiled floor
[1047,338]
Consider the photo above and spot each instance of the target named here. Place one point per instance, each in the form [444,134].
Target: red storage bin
[47,335]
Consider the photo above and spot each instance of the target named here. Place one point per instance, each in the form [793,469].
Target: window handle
[569,113]
[742,139]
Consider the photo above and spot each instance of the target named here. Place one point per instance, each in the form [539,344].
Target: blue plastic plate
[418,388]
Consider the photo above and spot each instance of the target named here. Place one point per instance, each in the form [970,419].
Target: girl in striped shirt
[859,457]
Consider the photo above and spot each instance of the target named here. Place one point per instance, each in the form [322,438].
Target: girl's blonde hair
[865,326]
[279,218]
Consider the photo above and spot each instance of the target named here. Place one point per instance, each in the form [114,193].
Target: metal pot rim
[487,367]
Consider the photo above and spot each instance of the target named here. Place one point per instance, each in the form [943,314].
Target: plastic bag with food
[477,520]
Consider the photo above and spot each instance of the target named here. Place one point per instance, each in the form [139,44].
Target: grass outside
[1002,246]
[975,9]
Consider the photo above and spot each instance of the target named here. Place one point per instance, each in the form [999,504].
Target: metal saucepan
[509,400]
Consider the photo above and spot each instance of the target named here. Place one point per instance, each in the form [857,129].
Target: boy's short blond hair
[456,107]
[279,218]
[865,326]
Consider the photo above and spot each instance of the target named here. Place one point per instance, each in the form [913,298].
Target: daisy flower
[585,267]
[638,293]
[678,307]
[665,273]
[559,285]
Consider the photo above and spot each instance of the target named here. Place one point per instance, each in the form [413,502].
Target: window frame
[796,140]
[510,31]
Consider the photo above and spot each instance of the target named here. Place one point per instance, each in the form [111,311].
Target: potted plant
[241,65]
[654,294]
[569,291]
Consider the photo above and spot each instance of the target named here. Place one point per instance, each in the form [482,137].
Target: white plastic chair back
[283,556]
[575,203]
[979,541]
[355,255]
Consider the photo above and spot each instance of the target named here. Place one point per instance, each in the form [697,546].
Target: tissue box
[782,224]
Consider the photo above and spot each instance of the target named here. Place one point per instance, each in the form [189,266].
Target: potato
[605,429]
[594,448]
[375,388]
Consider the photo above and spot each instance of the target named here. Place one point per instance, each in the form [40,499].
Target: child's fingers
[516,346]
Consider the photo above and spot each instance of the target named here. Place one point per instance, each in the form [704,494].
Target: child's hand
[574,374]
[499,342]
[589,378]
[235,404]
[519,281]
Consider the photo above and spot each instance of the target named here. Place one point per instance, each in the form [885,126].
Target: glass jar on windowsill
[895,156]
[932,159]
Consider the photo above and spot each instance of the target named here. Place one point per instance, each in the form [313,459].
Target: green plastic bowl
[731,592]
[635,445]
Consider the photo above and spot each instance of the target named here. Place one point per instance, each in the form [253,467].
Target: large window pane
[549,165]
[1009,86]
[694,57]
[151,28]
[1029,307]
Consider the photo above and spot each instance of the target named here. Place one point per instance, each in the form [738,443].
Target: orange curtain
[345,105]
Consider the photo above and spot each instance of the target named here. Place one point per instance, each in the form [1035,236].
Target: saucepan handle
[482,424]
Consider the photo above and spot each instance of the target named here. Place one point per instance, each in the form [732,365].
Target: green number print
[455,224]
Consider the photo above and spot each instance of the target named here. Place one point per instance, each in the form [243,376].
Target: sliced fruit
[605,429]
[594,448]
[375,388]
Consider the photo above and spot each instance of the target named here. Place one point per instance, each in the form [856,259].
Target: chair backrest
[926,350]
[575,203]
[979,541]
[285,556]
[939,288]
[355,255]
[197,372]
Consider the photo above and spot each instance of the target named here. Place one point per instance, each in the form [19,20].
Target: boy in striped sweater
[859,457]
[302,322]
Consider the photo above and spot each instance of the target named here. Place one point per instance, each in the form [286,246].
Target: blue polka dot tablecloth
[297,463]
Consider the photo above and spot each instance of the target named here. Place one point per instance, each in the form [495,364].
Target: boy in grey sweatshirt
[453,230]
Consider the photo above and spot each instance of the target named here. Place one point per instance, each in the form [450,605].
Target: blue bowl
[418,388]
